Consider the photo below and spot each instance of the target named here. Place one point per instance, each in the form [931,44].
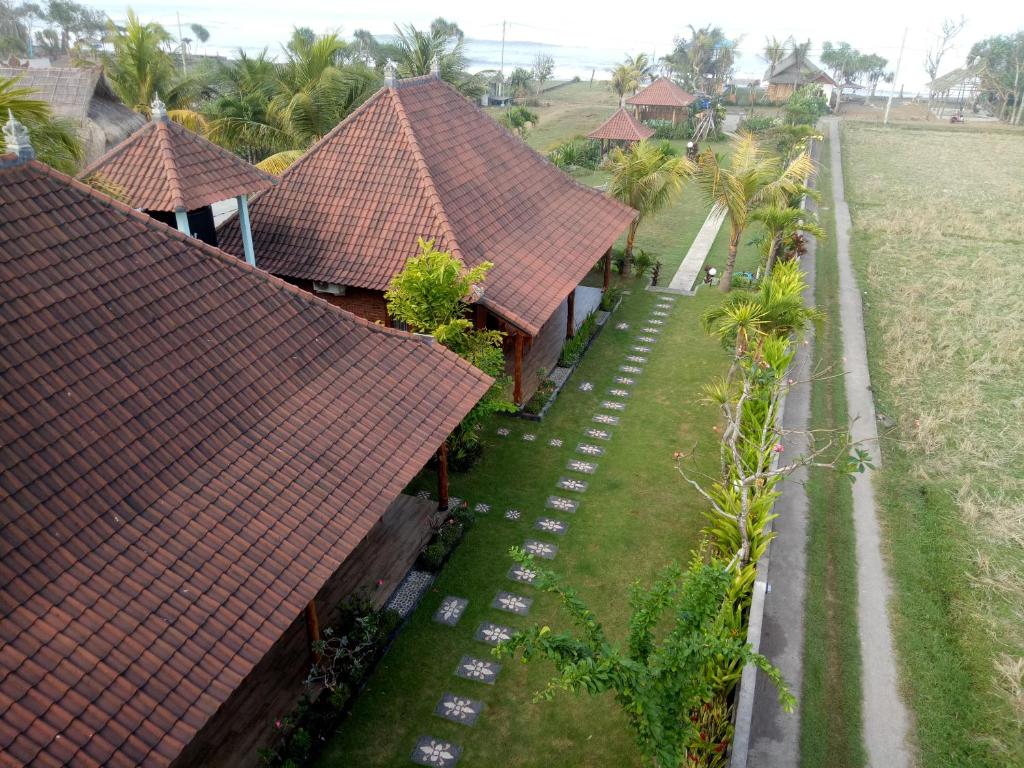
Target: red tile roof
[163,166]
[662,93]
[419,160]
[191,448]
[621,126]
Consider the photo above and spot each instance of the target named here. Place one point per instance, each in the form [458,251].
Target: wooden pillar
[312,624]
[607,269]
[517,369]
[442,477]
[479,316]
[570,320]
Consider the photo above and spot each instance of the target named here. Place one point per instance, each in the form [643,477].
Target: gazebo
[661,100]
[175,176]
[620,130]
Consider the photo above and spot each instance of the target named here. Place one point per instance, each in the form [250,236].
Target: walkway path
[886,722]
[689,270]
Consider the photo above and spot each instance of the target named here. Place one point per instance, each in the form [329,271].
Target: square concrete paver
[522,574]
[451,610]
[606,418]
[598,434]
[572,484]
[550,525]
[512,603]
[459,709]
[481,670]
[436,752]
[555,442]
[513,514]
[588,449]
[541,549]
[492,634]
[561,504]
[578,465]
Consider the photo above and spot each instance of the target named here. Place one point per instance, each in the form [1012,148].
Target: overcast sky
[874,26]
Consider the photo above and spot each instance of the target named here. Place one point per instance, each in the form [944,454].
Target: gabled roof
[68,90]
[419,160]
[662,93]
[191,447]
[621,126]
[163,166]
[957,76]
[787,72]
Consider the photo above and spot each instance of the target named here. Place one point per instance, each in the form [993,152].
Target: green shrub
[573,349]
[610,297]
[642,262]
[758,124]
[577,152]
[805,106]
[432,557]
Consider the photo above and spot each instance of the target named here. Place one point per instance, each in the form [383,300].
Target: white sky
[873,26]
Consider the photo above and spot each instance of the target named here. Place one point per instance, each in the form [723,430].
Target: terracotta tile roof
[191,447]
[419,160]
[621,126]
[163,166]
[662,93]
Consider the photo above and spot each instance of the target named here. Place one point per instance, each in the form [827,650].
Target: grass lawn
[830,711]
[938,244]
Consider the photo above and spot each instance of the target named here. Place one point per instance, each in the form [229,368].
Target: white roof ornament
[435,66]
[390,74]
[158,110]
[17,140]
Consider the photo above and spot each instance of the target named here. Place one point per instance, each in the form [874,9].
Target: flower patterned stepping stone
[613,405]
[541,549]
[458,709]
[555,442]
[492,634]
[562,505]
[478,669]
[622,326]
[618,392]
[641,349]
[656,322]
[572,484]
[659,313]
[436,752]
[636,359]
[651,330]
[550,525]
[590,450]
[605,418]
[506,601]
[646,339]
[522,574]
[586,467]
[625,381]
[529,437]
[425,495]
[451,610]
[599,434]
[513,514]
[482,508]
[586,386]
[504,431]
[631,369]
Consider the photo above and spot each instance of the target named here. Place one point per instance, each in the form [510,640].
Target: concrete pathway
[886,721]
[689,270]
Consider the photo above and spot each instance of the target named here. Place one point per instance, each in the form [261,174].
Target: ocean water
[570,61]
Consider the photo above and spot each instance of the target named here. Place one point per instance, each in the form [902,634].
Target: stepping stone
[659,313]
[625,381]
[599,434]
[510,603]
[451,610]
[604,418]
[590,450]
[613,405]
[646,339]
[656,322]
[555,442]
[522,574]
[407,596]
[586,386]
[618,392]
[504,431]
[481,508]
[586,467]
[513,514]
[492,634]
[641,349]
[425,495]
[562,505]
[636,359]
[541,549]
[484,671]
[550,525]
[436,752]
[651,330]
[622,326]
[458,709]
[529,437]
[631,369]
[572,484]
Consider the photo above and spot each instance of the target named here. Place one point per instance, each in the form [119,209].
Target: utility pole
[899,61]
[501,69]
[181,44]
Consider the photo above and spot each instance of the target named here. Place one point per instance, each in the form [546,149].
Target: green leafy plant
[573,349]
[576,153]
[610,298]
[519,120]
[642,262]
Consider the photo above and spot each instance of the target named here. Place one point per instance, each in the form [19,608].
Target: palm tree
[781,223]
[645,178]
[801,55]
[625,81]
[417,51]
[643,67]
[54,139]
[752,178]
[775,50]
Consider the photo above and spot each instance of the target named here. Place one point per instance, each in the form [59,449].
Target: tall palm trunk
[773,254]
[730,263]
[627,257]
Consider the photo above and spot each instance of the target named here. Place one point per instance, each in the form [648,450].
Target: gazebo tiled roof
[191,448]
[419,160]
[163,166]
[621,126]
[662,93]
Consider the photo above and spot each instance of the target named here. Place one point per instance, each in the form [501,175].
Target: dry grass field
[939,243]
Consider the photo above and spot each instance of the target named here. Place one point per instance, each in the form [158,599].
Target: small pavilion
[662,100]
[175,176]
[620,130]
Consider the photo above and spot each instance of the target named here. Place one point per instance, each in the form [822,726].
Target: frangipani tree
[780,224]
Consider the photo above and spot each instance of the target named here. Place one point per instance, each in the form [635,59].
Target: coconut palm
[625,81]
[417,51]
[751,178]
[54,139]
[781,223]
[646,178]
[775,50]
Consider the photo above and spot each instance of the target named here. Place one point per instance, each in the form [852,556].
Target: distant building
[620,130]
[662,100]
[83,96]
[783,80]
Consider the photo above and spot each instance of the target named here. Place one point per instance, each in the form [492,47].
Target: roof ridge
[116,150]
[206,144]
[163,140]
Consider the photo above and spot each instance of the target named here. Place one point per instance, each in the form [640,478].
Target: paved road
[886,722]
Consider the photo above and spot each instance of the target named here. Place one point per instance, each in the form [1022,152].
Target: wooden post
[570,320]
[607,269]
[517,370]
[312,625]
[442,477]
[479,317]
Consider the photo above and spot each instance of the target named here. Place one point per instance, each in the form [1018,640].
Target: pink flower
[380,582]
[277,724]
[778,448]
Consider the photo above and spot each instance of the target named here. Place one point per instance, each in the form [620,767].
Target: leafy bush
[518,120]
[445,538]
[663,129]
[573,349]
[642,262]
[656,272]
[577,152]
[540,397]
[758,124]
[805,106]
[610,298]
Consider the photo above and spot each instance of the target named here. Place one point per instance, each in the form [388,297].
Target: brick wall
[359,301]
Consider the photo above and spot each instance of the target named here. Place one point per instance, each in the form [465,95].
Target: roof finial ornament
[17,139]
[435,66]
[158,110]
[390,74]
